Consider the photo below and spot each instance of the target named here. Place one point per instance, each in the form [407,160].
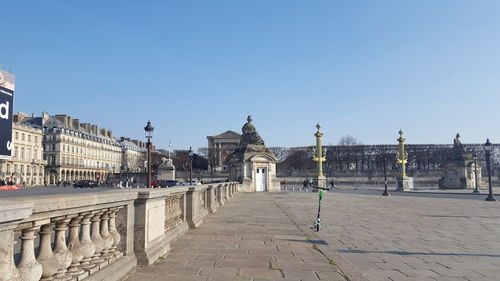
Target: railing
[99,236]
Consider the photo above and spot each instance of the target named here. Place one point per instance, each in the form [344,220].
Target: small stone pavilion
[252,164]
[460,170]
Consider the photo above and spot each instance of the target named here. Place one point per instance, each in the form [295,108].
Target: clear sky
[198,68]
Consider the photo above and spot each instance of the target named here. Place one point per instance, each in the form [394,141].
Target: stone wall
[99,236]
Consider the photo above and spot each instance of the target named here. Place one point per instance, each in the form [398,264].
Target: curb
[350,272]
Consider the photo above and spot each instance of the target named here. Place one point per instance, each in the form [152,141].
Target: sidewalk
[250,238]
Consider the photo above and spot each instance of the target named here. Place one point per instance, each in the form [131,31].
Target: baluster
[114,233]
[8,269]
[106,236]
[29,268]
[76,248]
[87,245]
[46,257]
[61,252]
[96,238]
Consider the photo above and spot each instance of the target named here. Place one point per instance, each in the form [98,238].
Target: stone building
[26,165]
[252,164]
[76,151]
[220,147]
[133,155]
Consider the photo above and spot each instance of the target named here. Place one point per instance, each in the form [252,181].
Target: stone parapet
[99,236]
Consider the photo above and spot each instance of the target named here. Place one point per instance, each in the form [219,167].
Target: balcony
[39,161]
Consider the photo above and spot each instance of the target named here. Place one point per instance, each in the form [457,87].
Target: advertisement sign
[6,111]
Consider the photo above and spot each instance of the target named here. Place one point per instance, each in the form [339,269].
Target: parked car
[85,183]
[186,183]
[164,183]
[170,183]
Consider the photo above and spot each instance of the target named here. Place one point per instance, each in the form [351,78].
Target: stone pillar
[46,257]
[95,235]
[61,252]
[87,245]
[211,198]
[106,236]
[29,268]
[114,233]
[76,248]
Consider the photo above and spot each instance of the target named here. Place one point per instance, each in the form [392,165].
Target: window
[53,147]
[15,151]
[36,139]
[17,135]
[8,168]
[29,137]
[22,153]
[22,136]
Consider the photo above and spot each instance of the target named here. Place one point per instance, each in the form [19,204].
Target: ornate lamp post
[402,159]
[149,134]
[385,178]
[319,157]
[190,153]
[476,178]
[487,150]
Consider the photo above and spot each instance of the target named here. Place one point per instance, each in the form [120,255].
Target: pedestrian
[2,182]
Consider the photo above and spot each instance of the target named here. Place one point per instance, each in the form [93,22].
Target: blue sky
[198,68]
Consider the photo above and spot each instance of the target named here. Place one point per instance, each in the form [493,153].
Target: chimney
[69,122]
[63,119]
[76,124]
[93,129]
[102,131]
[86,126]
[19,117]
[45,117]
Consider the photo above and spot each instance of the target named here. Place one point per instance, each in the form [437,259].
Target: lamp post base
[403,184]
[490,198]
[320,181]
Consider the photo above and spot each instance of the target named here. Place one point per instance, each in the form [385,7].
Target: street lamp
[385,178]
[487,150]
[149,134]
[190,153]
[476,183]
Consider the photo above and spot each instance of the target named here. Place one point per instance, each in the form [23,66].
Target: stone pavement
[250,238]
[407,236]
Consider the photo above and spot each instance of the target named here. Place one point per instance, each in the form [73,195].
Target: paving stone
[260,273]
[302,275]
[412,234]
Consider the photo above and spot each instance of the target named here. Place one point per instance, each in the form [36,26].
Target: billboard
[6,110]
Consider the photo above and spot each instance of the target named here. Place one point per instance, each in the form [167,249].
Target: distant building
[26,165]
[133,155]
[76,151]
[220,147]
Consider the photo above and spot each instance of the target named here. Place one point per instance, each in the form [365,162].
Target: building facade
[26,167]
[133,155]
[220,147]
[76,151]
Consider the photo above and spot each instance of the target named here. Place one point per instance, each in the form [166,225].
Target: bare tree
[348,140]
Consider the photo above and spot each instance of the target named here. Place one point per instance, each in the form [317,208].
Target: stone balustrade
[99,236]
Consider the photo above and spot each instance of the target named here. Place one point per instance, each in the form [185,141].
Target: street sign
[6,110]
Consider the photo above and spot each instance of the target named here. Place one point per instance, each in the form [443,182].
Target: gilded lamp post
[402,159]
[319,157]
